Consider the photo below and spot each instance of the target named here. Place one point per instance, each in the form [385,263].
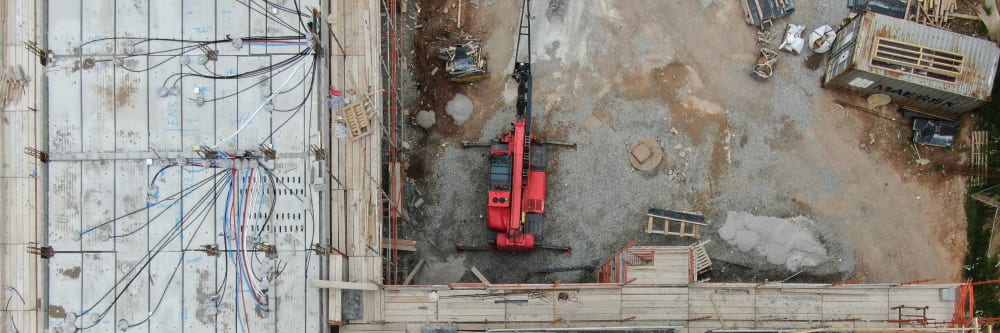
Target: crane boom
[517,176]
[517,220]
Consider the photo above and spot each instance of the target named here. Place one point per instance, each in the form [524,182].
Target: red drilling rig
[517,177]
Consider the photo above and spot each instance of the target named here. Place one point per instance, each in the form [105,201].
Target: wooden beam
[965,16]
[402,244]
[479,275]
[327,284]
[406,242]
[888,329]
[413,273]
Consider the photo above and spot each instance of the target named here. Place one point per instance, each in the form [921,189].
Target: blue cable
[232,255]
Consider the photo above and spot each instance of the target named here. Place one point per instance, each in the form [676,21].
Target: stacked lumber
[931,12]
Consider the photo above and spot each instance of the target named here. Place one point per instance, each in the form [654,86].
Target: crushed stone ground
[608,73]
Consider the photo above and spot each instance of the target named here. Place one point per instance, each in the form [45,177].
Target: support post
[413,273]
[480,276]
[325,142]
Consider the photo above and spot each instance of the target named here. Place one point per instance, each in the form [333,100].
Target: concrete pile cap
[645,154]
[426,119]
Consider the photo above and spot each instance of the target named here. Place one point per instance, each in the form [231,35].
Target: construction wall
[698,307]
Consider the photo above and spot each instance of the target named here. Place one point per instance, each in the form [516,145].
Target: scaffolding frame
[392,168]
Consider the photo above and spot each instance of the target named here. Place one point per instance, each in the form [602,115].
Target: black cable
[197,43]
[202,182]
[176,77]
[157,174]
[274,198]
[312,66]
[150,255]
[201,216]
[147,39]
[260,82]
[295,109]
[268,15]
[286,9]
[148,68]
[299,15]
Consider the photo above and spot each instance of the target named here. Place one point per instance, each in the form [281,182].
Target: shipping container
[926,69]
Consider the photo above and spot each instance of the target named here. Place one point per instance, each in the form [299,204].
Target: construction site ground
[611,72]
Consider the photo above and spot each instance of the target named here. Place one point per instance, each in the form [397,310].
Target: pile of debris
[762,13]
[764,68]
[930,12]
[934,132]
[12,85]
[466,61]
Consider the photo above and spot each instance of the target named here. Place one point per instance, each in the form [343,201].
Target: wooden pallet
[702,263]
[978,161]
[687,224]
[357,117]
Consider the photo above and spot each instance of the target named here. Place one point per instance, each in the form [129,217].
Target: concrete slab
[21,175]
[131,94]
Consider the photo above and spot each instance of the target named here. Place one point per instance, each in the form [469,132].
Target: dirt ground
[634,69]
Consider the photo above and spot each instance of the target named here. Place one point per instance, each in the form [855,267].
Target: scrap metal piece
[211,250]
[40,155]
[268,152]
[764,68]
[206,152]
[318,153]
[44,56]
[319,249]
[45,252]
[270,250]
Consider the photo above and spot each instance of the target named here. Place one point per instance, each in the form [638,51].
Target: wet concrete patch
[73,273]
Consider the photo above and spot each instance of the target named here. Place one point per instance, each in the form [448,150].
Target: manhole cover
[645,154]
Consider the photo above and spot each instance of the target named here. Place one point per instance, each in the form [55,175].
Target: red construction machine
[517,178]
